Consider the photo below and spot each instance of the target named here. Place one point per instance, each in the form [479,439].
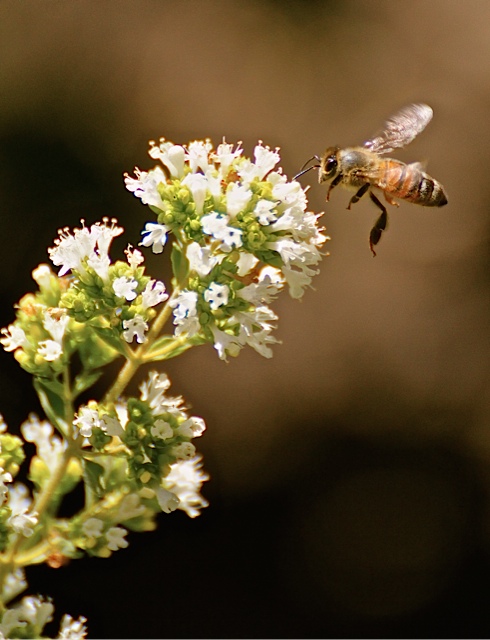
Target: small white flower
[13,338]
[185,480]
[134,256]
[55,322]
[265,211]
[125,288]
[256,327]
[72,629]
[216,225]
[100,264]
[265,159]
[42,276]
[226,344]
[169,154]
[93,527]
[122,413]
[4,478]
[153,294]
[49,350]
[153,392]
[198,185]
[155,236]
[185,313]
[36,611]
[15,583]
[231,239]
[23,523]
[145,185]
[91,245]
[167,500]
[111,426]
[135,327]
[201,259]
[184,451]
[246,262]
[225,156]
[87,419]
[289,193]
[115,538]
[198,155]
[237,198]
[193,427]
[261,292]
[216,295]
[185,304]
[162,430]
[49,446]
[19,498]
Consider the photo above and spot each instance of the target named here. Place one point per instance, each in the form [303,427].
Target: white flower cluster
[169,433]
[246,232]
[22,519]
[31,615]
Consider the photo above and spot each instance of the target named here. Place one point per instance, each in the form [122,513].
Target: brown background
[350,473]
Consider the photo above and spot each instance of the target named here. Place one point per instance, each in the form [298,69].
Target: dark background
[350,473]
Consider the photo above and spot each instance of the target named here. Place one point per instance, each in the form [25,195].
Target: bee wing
[401,128]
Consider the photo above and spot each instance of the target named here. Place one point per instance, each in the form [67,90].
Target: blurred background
[350,474]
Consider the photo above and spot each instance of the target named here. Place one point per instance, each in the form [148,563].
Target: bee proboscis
[362,168]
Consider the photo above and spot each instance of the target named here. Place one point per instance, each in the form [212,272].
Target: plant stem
[138,356]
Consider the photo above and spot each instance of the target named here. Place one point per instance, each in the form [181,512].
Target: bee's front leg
[380,224]
[333,184]
[358,195]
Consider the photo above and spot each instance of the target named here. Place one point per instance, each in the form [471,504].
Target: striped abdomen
[409,182]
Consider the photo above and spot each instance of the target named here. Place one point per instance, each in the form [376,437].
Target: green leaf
[96,352]
[111,338]
[85,380]
[162,348]
[51,395]
[180,264]
[94,474]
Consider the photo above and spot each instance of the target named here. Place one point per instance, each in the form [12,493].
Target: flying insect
[363,169]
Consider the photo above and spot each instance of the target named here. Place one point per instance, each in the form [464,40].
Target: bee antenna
[298,175]
[302,171]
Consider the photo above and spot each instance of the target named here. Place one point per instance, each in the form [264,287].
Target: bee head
[328,164]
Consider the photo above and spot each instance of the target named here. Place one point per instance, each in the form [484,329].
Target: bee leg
[380,224]
[390,200]
[333,184]
[358,195]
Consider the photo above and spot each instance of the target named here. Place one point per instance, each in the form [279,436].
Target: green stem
[7,559]
[138,356]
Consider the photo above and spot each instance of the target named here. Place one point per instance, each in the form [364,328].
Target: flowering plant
[240,232]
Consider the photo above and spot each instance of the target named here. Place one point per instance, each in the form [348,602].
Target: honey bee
[362,168]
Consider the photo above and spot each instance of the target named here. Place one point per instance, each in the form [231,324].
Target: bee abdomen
[430,192]
[409,183]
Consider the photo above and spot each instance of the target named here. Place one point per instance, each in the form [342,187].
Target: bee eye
[331,165]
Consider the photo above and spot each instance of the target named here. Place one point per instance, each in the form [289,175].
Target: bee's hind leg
[358,194]
[390,200]
[380,224]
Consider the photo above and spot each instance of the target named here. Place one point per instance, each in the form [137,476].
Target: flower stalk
[239,233]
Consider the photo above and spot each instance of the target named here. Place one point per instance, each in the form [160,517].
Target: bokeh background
[351,473]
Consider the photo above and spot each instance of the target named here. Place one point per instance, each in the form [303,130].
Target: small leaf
[180,264]
[51,397]
[96,352]
[94,474]
[85,380]
[162,348]
[111,338]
